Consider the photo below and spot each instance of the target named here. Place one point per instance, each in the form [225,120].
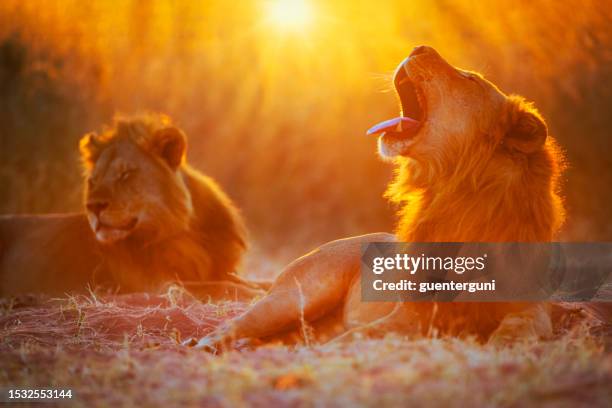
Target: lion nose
[97,207]
[421,49]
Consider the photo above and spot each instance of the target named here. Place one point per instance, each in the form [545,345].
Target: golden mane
[490,195]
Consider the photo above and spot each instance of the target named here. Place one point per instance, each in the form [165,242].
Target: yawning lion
[474,165]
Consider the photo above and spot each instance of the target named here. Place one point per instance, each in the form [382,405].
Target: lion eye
[125,175]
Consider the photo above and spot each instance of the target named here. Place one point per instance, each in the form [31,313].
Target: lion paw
[519,328]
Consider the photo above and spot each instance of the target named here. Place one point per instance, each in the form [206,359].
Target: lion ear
[170,144]
[527,132]
[90,148]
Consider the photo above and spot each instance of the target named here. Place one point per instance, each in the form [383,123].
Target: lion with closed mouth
[473,165]
[149,219]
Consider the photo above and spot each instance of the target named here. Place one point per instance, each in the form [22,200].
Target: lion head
[468,156]
[446,110]
[134,191]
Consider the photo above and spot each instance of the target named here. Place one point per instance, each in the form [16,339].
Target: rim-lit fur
[484,192]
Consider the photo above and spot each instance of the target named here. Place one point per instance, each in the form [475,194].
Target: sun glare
[290,15]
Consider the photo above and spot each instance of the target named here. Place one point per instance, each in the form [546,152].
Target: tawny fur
[188,230]
[437,198]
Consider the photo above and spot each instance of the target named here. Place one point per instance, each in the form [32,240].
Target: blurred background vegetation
[276,110]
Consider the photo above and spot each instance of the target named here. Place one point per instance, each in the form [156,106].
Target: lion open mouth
[109,233]
[406,126]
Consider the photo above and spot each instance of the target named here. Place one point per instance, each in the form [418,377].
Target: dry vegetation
[279,119]
[126,351]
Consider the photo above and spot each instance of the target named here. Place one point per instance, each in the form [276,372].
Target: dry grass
[125,351]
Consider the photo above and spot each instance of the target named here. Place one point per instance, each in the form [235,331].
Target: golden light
[289,15]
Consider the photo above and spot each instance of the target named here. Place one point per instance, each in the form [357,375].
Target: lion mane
[437,201]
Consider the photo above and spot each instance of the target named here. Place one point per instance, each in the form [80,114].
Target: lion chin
[148,220]
[108,233]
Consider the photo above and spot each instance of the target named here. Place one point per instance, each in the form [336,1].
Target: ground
[126,351]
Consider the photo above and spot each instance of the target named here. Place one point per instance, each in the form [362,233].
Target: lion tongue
[399,126]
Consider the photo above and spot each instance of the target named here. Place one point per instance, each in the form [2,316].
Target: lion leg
[374,319]
[309,288]
[532,324]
